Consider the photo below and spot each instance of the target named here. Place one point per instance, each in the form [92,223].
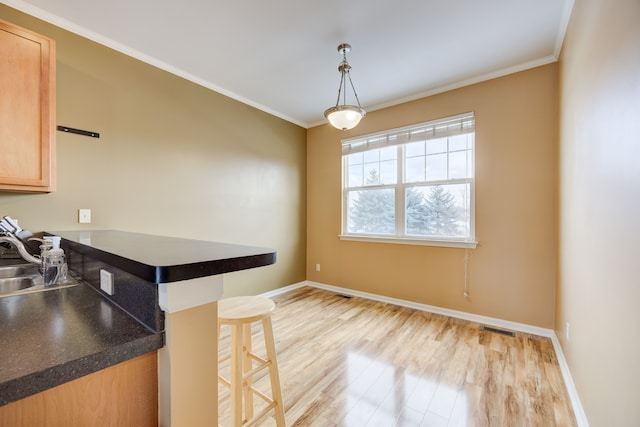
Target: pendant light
[345,117]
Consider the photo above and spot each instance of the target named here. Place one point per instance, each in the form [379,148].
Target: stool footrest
[256,357]
[264,364]
[224,381]
[259,416]
[255,391]
[262,396]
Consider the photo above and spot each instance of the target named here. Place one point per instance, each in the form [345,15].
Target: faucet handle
[11,226]
[5,228]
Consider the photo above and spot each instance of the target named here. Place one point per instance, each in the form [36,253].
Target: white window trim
[410,241]
[470,243]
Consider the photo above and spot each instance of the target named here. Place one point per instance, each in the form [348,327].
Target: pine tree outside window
[411,185]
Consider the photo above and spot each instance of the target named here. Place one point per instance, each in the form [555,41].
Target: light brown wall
[512,271]
[599,270]
[173,159]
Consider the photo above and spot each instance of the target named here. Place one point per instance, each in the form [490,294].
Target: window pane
[438,210]
[388,172]
[355,178]
[415,212]
[414,169]
[373,167]
[371,211]
[459,142]
[372,174]
[414,149]
[435,146]
[354,159]
[371,156]
[458,167]
[388,153]
[437,167]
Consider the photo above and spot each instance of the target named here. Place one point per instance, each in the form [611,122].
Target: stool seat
[244,309]
[239,313]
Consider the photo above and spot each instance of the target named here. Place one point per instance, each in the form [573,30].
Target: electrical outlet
[567,330]
[84,216]
[317,267]
[106,282]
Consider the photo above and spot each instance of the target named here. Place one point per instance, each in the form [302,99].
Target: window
[411,185]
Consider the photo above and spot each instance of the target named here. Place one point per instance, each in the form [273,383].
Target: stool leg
[217,379]
[273,371]
[236,375]
[247,366]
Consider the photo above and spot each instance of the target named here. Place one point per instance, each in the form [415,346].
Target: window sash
[400,211]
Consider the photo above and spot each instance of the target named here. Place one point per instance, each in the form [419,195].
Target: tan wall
[599,270]
[512,271]
[173,159]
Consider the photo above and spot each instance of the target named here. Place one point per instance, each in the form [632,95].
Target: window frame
[400,187]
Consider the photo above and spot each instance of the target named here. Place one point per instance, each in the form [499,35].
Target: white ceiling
[281,55]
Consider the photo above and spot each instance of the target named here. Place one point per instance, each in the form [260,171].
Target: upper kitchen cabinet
[27,110]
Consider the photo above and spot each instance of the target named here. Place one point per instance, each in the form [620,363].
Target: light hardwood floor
[356,362]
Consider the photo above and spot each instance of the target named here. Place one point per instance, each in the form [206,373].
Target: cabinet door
[125,394]
[27,110]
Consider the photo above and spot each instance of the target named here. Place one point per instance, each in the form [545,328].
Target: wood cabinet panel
[27,110]
[122,395]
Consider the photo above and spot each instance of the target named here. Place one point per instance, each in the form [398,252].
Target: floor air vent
[498,331]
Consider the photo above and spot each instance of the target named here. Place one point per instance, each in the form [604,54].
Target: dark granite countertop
[160,259]
[51,337]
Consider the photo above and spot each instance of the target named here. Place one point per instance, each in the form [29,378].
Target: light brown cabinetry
[122,395]
[27,110]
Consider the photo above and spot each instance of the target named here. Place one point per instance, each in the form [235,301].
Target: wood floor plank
[356,362]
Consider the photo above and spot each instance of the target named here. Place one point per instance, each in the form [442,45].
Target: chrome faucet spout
[21,249]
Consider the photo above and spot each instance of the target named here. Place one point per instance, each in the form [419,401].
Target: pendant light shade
[343,116]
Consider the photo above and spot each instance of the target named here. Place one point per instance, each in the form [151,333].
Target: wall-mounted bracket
[79,131]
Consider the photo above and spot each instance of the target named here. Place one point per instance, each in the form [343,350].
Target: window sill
[409,241]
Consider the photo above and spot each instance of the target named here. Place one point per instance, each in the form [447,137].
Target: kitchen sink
[24,279]
[14,271]
[10,285]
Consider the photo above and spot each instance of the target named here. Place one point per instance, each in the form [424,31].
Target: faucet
[21,249]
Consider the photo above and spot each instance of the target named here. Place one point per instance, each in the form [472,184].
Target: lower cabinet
[122,395]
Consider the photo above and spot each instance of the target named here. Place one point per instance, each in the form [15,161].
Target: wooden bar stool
[239,313]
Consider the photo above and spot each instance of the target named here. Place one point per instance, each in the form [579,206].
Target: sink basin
[13,271]
[9,285]
[25,278]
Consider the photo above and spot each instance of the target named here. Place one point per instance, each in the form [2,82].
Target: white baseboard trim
[503,324]
[285,289]
[491,321]
[578,410]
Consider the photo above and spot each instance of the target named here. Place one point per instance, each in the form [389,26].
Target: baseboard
[491,321]
[499,323]
[285,289]
[578,410]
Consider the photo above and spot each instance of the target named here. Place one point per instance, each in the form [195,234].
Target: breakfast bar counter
[138,293]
